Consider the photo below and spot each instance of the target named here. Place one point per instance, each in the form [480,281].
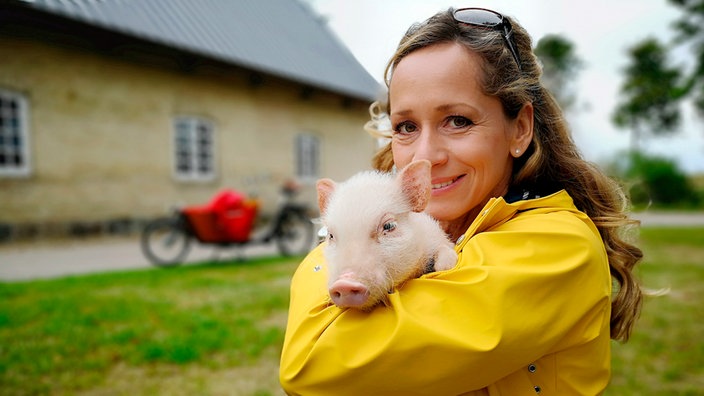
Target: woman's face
[439,113]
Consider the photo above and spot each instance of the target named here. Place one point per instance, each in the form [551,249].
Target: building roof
[284,38]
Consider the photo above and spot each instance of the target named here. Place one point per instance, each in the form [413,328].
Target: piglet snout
[348,293]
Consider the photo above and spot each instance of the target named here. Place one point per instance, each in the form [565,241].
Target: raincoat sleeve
[528,287]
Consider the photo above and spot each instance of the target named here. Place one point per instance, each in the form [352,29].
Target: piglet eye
[390,226]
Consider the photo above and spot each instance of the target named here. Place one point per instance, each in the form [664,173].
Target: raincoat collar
[498,211]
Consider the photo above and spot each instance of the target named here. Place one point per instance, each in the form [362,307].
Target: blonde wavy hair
[552,157]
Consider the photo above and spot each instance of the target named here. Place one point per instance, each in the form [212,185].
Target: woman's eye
[405,128]
[460,122]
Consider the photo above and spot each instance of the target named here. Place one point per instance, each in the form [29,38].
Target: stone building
[113,110]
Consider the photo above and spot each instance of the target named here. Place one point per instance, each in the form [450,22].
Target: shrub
[655,180]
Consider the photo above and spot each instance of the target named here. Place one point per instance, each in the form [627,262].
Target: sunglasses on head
[488,19]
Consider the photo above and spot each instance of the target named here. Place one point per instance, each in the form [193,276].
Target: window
[14,135]
[307,156]
[194,151]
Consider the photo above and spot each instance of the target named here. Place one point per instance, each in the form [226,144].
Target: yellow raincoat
[525,312]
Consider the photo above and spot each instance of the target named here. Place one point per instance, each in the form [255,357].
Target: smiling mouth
[445,184]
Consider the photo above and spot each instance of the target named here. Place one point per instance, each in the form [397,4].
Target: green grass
[146,332]
[217,329]
[665,355]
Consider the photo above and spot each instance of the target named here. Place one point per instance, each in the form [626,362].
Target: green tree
[690,30]
[560,67]
[655,180]
[650,94]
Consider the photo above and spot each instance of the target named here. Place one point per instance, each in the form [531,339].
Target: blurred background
[112,111]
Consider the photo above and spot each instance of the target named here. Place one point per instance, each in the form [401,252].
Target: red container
[238,223]
[203,223]
[228,217]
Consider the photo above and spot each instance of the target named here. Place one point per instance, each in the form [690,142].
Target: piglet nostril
[348,293]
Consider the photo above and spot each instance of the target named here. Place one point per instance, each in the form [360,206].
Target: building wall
[102,140]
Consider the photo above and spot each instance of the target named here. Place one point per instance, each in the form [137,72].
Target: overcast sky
[602,31]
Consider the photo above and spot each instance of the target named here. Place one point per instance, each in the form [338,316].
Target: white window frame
[186,143]
[307,157]
[19,116]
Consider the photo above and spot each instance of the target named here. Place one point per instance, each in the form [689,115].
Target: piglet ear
[325,189]
[415,184]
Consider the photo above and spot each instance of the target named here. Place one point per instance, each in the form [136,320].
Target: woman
[529,307]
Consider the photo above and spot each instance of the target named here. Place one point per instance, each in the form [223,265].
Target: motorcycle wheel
[295,234]
[165,242]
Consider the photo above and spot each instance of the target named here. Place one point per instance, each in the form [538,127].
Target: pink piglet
[378,235]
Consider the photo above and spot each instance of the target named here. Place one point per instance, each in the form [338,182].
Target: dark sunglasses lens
[478,17]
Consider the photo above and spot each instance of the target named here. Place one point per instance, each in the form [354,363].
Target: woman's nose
[430,147]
